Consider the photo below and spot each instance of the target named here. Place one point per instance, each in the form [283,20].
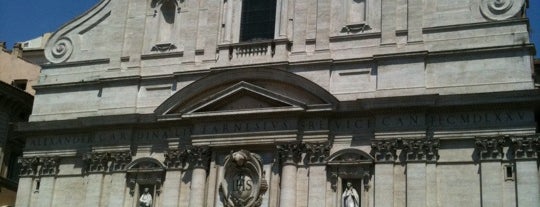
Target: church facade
[330,103]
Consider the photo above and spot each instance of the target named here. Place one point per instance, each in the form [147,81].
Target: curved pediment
[350,157]
[247,91]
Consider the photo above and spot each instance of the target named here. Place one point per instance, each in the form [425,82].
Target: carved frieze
[28,165]
[317,152]
[244,183]
[384,150]
[421,149]
[490,148]
[501,9]
[526,147]
[290,153]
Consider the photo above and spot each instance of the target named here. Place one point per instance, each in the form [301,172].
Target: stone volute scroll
[501,9]
[244,183]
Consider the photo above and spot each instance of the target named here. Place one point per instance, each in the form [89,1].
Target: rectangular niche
[356,13]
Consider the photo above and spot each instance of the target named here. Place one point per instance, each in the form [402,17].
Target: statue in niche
[350,196]
[165,23]
[146,199]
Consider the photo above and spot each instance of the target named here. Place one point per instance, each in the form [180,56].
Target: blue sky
[22,20]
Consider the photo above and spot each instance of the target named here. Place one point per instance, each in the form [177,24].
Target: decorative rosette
[501,9]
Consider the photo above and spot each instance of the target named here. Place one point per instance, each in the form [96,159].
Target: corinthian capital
[526,147]
[384,150]
[490,147]
[317,152]
[289,153]
[421,149]
[174,158]
[49,165]
[96,161]
[198,156]
[28,166]
[120,160]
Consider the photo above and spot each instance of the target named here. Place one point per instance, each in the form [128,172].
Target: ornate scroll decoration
[421,149]
[318,152]
[60,51]
[526,147]
[290,153]
[384,150]
[244,182]
[174,158]
[501,9]
[49,165]
[96,161]
[120,160]
[490,148]
[28,165]
[198,156]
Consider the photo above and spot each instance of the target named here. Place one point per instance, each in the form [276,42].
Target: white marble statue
[350,196]
[146,199]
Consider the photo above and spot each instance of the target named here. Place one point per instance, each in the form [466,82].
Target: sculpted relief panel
[244,182]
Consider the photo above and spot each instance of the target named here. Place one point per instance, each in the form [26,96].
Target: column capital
[198,156]
[421,149]
[96,161]
[490,147]
[49,165]
[318,152]
[120,160]
[290,153]
[526,146]
[29,166]
[384,150]
[175,158]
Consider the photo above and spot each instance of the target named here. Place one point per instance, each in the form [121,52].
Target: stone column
[417,153]
[289,154]
[490,151]
[96,166]
[199,158]
[317,154]
[174,159]
[385,155]
[527,178]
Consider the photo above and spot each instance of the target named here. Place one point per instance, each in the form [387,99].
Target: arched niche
[354,166]
[145,173]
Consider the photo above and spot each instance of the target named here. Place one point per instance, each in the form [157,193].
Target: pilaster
[490,153]
[174,159]
[418,153]
[526,157]
[317,153]
[385,155]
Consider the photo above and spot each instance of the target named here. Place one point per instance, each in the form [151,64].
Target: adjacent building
[329,103]
[16,79]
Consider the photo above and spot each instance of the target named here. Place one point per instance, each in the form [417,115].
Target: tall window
[258,20]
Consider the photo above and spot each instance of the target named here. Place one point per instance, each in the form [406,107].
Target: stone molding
[317,152]
[490,148]
[526,147]
[384,150]
[41,166]
[421,149]
[290,153]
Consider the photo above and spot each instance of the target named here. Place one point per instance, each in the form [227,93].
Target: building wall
[416,103]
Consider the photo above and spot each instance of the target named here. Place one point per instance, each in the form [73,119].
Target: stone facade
[414,103]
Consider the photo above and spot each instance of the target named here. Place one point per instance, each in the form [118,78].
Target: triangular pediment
[243,98]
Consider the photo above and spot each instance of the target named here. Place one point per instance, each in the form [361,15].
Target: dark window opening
[509,172]
[258,20]
[20,84]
